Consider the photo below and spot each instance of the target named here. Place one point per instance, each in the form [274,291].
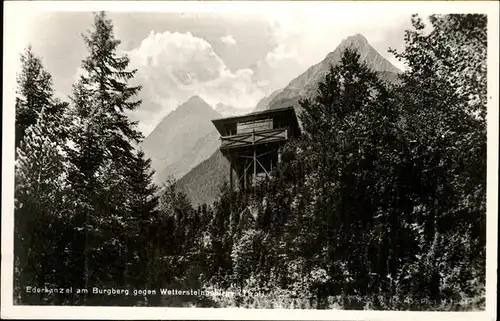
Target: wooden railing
[254,138]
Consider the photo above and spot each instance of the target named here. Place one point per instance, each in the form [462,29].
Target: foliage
[34,93]
[383,196]
[380,204]
[40,205]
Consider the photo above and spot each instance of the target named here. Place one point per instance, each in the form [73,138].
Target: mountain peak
[177,134]
[305,85]
[358,37]
[195,99]
[194,103]
[358,41]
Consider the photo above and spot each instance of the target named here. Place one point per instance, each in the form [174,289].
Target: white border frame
[11,37]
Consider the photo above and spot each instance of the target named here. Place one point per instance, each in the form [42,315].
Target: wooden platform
[252,143]
[254,138]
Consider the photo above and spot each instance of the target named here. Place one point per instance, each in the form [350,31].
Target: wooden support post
[245,169]
[230,172]
[254,166]
[279,155]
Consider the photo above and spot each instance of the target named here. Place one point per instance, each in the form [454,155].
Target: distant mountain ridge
[172,141]
[229,111]
[203,182]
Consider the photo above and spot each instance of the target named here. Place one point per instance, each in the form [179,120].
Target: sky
[235,58]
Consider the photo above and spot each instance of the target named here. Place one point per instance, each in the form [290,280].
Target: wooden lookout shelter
[252,142]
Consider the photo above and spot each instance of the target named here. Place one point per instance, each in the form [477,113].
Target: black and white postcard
[250,160]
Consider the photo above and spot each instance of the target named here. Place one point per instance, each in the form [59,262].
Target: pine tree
[143,223]
[102,151]
[41,212]
[40,205]
[34,92]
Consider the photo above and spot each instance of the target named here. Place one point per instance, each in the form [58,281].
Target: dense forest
[379,204]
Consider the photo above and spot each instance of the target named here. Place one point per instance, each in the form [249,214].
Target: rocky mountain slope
[174,143]
[202,184]
[264,102]
[200,151]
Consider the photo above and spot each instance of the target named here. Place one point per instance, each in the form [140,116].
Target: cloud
[172,67]
[228,40]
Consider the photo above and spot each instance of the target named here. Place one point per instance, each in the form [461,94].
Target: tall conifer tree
[40,204]
[101,152]
[34,92]
[143,224]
